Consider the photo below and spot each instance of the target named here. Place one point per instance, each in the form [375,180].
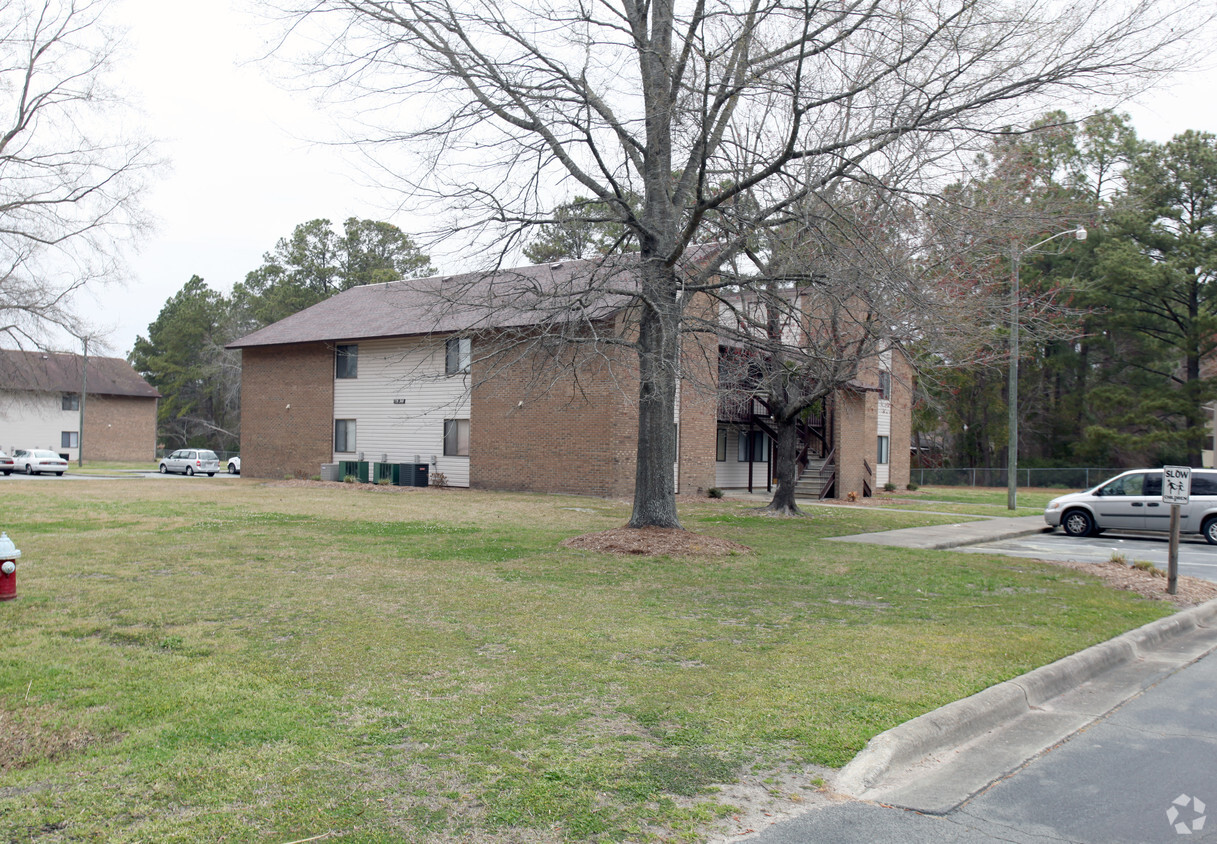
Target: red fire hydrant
[8,568]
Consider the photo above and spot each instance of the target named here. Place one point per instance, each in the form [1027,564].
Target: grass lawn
[983,501]
[205,660]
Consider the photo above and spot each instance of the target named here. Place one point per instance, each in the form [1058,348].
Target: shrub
[439,480]
[889,487]
[350,479]
[912,487]
[714,492]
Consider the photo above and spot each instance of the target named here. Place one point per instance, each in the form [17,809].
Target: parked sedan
[234,465]
[1133,501]
[35,461]
[6,464]
[190,461]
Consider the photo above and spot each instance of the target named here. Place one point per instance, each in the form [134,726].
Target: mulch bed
[1189,591]
[656,542]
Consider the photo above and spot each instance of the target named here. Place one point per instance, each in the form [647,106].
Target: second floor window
[346,361]
[459,356]
[71,401]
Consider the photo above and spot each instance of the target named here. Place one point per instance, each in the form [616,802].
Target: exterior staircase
[818,475]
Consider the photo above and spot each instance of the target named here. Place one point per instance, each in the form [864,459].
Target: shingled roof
[545,293]
[49,372]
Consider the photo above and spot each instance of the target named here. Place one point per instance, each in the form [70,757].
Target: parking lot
[1196,557]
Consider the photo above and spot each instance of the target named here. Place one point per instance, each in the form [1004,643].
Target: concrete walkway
[974,532]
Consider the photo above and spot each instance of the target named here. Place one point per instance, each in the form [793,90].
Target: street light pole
[1016,257]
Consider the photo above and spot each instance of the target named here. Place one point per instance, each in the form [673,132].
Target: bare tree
[70,172]
[714,114]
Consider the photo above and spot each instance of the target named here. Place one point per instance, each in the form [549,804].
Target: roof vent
[556,266]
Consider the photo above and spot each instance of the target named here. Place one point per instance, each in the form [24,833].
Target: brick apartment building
[393,373]
[40,396]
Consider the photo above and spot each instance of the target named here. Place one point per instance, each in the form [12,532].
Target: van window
[1153,484]
[1128,485]
[1204,484]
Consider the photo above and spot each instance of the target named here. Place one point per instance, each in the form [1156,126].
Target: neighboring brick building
[40,394]
[394,373]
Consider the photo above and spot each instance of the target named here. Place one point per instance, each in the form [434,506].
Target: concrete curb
[964,720]
[948,544]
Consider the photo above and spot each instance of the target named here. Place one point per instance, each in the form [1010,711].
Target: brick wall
[554,426]
[119,428]
[698,410]
[854,432]
[287,410]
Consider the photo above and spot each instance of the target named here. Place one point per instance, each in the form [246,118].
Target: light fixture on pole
[1016,256]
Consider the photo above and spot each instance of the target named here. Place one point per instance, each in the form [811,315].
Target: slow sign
[1176,484]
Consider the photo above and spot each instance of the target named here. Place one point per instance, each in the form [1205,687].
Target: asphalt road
[1196,557]
[1146,772]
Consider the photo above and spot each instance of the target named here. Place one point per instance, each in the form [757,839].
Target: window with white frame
[459,356]
[346,361]
[456,437]
[344,435]
[69,439]
[884,450]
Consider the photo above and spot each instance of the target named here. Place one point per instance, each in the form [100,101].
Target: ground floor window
[69,439]
[884,451]
[721,452]
[456,437]
[344,435]
[756,443]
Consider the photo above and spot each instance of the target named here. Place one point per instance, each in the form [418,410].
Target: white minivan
[1133,501]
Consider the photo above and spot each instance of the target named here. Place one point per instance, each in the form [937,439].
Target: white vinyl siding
[884,422]
[36,420]
[733,474]
[400,401]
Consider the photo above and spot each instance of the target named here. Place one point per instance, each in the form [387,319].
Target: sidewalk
[974,531]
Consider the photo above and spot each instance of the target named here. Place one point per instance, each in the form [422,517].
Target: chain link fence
[1071,478]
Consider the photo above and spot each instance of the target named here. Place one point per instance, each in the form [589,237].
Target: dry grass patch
[36,734]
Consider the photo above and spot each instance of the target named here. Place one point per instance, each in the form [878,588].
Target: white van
[1133,501]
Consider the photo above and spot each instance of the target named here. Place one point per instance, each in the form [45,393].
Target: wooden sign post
[1176,491]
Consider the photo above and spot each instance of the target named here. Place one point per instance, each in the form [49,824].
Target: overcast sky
[243,172]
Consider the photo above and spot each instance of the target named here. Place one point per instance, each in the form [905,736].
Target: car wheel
[29,470]
[232,469]
[190,471]
[211,474]
[164,469]
[1078,523]
[1209,529]
[59,474]
[9,472]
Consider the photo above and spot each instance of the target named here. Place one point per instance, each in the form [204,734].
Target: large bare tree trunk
[658,348]
[784,457]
